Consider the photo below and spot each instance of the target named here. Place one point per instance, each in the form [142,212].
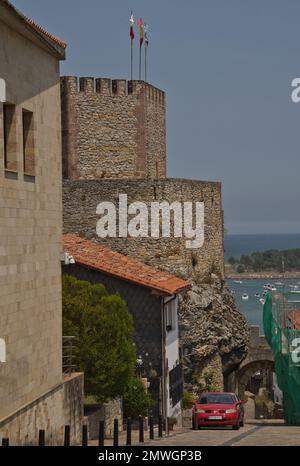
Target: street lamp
[139,363]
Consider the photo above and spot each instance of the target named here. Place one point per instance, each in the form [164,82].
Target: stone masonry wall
[63,405]
[30,227]
[112,129]
[106,412]
[80,199]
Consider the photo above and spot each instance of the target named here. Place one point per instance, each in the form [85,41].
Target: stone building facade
[112,129]
[32,388]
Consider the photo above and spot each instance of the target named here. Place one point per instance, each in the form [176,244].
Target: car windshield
[218,398]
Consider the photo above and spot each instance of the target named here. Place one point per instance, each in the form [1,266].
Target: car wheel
[236,427]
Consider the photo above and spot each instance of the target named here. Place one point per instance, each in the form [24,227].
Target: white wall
[172,351]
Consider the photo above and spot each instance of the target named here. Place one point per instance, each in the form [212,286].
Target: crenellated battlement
[112,128]
[111,88]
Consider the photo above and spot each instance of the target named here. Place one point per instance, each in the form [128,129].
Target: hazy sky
[227,68]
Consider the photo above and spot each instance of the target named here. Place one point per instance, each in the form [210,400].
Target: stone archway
[244,374]
[259,357]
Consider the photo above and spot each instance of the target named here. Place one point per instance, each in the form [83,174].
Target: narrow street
[273,433]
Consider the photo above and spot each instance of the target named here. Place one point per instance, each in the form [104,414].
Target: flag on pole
[146,34]
[131,33]
[141,32]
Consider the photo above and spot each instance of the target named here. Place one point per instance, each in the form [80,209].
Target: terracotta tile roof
[33,25]
[39,28]
[95,256]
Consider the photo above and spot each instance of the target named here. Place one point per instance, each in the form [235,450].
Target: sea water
[252,308]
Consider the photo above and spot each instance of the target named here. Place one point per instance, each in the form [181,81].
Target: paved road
[273,433]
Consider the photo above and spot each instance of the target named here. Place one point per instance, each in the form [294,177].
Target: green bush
[206,383]
[136,400]
[103,328]
[188,399]
[240,268]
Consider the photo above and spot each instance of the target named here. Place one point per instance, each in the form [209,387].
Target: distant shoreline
[261,275]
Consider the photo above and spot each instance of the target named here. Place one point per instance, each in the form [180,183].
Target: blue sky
[227,69]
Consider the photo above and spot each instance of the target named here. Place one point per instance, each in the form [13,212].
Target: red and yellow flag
[141,32]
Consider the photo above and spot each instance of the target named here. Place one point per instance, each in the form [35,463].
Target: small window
[169,317]
[28,143]
[10,137]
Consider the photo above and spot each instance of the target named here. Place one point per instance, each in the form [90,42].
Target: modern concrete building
[33,392]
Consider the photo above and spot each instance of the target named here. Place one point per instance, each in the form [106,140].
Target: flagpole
[146,39]
[131,59]
[131,33]
[141,43]
[140,64]
[146,48]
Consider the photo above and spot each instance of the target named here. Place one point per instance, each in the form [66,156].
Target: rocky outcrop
[213,333]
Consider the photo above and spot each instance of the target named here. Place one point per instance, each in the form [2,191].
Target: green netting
[279,337]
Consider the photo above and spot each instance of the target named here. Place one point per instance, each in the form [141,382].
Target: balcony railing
[69,358]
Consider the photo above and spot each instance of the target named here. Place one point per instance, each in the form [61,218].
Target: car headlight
[230,411]
[200,411]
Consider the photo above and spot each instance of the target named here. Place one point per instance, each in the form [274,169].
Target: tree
[240,268]
[246,261]
[232,260]
[136,400]
[104,330]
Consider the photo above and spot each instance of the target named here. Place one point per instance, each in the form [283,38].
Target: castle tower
[112,129]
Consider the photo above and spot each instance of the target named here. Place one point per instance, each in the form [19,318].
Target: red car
[218,409]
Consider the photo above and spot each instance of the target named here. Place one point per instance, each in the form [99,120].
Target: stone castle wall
[112,129]
[80,199]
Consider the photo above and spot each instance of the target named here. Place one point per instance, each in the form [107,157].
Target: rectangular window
[169,323]
[28,143]
[176,384]
[10,137]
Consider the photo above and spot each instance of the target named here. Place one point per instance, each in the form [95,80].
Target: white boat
[279,283]
[239,282]
[262,301]
[295,289]
[270,287]
[257,295]
[245,297]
